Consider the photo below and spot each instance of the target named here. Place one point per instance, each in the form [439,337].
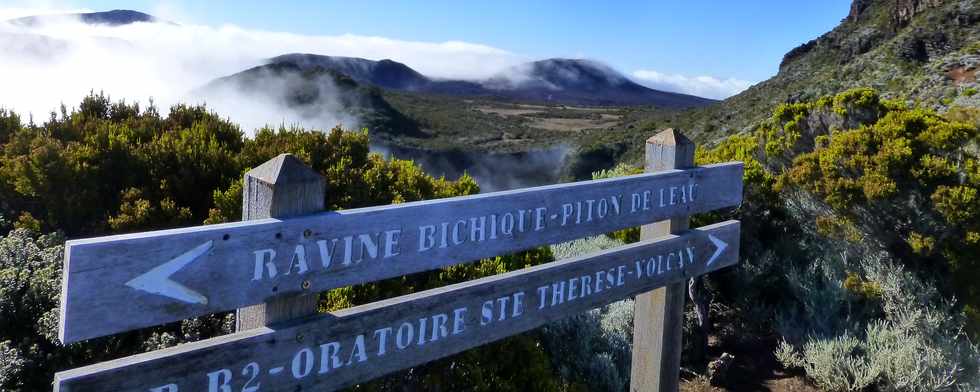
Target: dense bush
[30,282]
[905,177]
[918,344]
[593,350]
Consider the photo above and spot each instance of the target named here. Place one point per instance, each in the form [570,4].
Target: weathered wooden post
[282,187]
[658,316]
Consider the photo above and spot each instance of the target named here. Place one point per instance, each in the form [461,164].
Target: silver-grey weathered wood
[658,315]
[178,274]
[331,351]
[282,187]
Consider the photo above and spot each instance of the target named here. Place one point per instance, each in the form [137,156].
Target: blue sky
[722,38]
[666,44]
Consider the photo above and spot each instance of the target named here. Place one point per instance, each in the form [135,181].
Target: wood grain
[282,187]
[96,300]
[332,351]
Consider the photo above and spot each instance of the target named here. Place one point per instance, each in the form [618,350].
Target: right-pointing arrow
[720,248]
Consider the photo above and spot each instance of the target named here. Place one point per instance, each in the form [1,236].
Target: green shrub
[11,364]
[918,344]
[592,350]
[834,364]
[855,99]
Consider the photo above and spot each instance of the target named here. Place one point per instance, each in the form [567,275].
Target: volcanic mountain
[581,82]
[385,73]
[557,81]
[310,92]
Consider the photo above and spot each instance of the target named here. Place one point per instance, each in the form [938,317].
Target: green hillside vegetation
[874,204]
[482,124]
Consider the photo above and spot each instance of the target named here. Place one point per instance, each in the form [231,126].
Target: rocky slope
[921,50]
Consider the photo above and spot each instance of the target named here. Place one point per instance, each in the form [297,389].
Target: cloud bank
[60,62]
[702,86]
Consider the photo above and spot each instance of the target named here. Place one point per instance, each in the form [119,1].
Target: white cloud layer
[43,66]
[702,86]
[59,62]
[21,9]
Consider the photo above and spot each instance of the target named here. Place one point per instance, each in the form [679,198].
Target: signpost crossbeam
[336,350]
[119,283]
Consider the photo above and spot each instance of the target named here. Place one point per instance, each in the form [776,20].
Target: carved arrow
[720,247]
[157,280]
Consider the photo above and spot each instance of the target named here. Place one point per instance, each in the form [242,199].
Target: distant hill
[554,81]
[582,82]
[110,18]
[311,92]
[385,73]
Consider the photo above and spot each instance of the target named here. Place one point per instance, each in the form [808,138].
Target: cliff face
[922,50]
[902,10]
[871,23]
[905,10]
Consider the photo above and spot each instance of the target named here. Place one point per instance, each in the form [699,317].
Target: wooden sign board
[119,283]
[328,352]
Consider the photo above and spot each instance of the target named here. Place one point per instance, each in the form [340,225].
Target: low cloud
[702,86]
[60,62]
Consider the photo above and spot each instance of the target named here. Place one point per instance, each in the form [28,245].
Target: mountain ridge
[309,93]
[556,81]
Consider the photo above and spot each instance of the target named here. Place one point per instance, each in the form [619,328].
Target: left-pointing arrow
[157,280]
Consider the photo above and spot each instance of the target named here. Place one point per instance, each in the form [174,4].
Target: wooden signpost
[114,284]
[119,283]
[335,350]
